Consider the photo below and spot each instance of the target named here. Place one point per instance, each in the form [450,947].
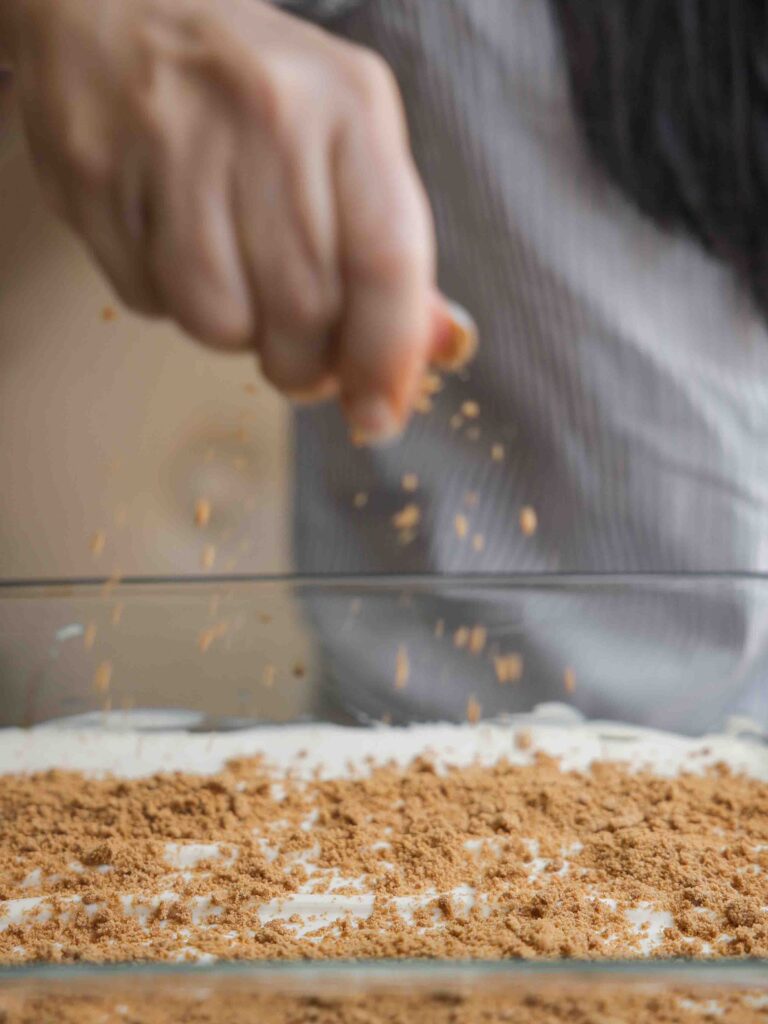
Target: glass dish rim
[53,586]
[728,971]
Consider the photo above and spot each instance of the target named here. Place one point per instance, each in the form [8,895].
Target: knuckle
[389,262]
[373,80]
[290,368]
[87,160]
[310,309]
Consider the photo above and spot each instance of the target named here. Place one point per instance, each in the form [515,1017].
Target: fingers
[387,261]
[454,334]
[192,249]
[288,242]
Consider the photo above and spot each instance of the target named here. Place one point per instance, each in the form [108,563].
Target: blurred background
[95,490]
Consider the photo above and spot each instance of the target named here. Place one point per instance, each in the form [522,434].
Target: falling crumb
[407,518]
[111,582]
[406,537]
[478,542]
[497,452]
[470,409]
[410,482]
[207,636]
[440,628]
[569,680]
[268,675]
[528,521]
[213,604]
[461,525]
[117,613]
[423,404]
[98,543]
[508,667]
[103,677]
[471,498]
[523,740]
[208,557]
[265,618]
[402,668]
[461,637]
[250,389]
[456,421]
[360,500]
[108,314]
[474,711]
[473,434]
[89,636]
[431,383]
[299,670]
[202,512]
[477,639]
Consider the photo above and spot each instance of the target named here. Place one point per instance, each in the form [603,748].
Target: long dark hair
[672,96]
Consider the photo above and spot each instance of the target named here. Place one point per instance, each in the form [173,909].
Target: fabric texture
[622,369]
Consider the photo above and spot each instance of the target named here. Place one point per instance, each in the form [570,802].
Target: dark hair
[672,96]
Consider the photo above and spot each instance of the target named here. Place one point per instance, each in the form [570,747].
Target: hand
[249,176]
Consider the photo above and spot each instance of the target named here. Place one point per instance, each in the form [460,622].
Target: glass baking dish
[221,654]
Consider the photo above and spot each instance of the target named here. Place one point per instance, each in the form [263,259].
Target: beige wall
[119,426]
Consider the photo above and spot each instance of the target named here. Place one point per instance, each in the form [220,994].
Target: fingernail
[372,420]
[461,345]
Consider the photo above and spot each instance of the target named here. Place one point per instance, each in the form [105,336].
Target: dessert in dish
[490,841]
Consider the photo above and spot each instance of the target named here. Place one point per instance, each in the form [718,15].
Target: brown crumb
[117,613]
[456,421]
[423,404]
[299,670]
[89,636]
[471,499]
[208,556]
[461,637]
[461,525]
[569,680]
[474,711]
[202,512]
[360,500]
[250,389]
[97,543]
[528,521]
[207,636]
[478,542]
[410,482]
[102,677]
[440,628]
[497,452]
[478,636]
[523,740]
[407,518]
[431,383]
[268,675]
[508,667]
[473,433]
[108,314]
[470,410]
[402,668]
